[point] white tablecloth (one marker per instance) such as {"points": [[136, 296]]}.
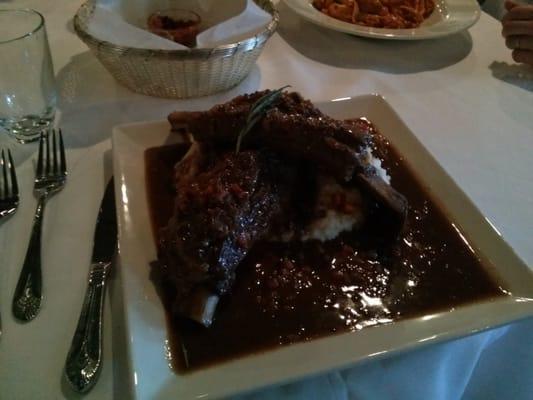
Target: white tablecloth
{"points": [[458, 95]]}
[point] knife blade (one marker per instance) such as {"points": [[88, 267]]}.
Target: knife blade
{"points": [[84, 359], [105, 234]]}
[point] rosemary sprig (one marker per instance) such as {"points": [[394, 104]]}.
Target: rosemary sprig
{"points": [[257, 111]]}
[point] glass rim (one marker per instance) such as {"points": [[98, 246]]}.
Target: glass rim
{"points": [[28, 11]]}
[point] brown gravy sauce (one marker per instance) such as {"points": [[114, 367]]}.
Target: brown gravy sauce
{"points": [[294, 292]]}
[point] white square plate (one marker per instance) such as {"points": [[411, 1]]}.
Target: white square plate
{"points": [[152, 377], [449, 17]]}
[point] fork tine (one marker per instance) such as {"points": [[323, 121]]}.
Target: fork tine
{"points": [[47, 166], [4, 173], [40, 166], [63, 159], [54, 152], [4, 191], [14, 184]]}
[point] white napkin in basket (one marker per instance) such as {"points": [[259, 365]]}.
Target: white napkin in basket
{"points": [[247, 24], [109, 24]]}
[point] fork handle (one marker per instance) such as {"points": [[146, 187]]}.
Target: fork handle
{"points": [[84, 359], [28, 294]]}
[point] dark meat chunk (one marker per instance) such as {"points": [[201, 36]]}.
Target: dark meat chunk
{"points": [[218, 216], [326, 143], [222, 122], [296, 129], [226, 117]]}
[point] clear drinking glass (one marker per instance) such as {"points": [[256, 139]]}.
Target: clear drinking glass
{"points": [[27, 85]]}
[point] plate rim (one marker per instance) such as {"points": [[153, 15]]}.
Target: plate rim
{"points": [[517, 309]]}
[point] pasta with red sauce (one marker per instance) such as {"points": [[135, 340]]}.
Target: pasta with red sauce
{"points": [[394, 14]]}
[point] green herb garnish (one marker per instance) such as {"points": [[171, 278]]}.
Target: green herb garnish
{"points": [[257, 111]]}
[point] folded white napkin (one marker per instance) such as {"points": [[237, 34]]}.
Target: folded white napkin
{"points": [[111, 22], [247, 24]]}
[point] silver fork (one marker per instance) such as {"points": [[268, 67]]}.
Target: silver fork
{"points": [[9, 190], [50, 178]]}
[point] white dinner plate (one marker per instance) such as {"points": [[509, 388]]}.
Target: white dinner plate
{"points": [[449, 16], [146, 332]]}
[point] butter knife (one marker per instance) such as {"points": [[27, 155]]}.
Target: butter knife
{"points": [[84, 359]]}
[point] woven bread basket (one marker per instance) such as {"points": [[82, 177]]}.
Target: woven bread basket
{"points": [[177, 73]]}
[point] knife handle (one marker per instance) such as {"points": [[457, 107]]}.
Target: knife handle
{"points": [[84, 359]]}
